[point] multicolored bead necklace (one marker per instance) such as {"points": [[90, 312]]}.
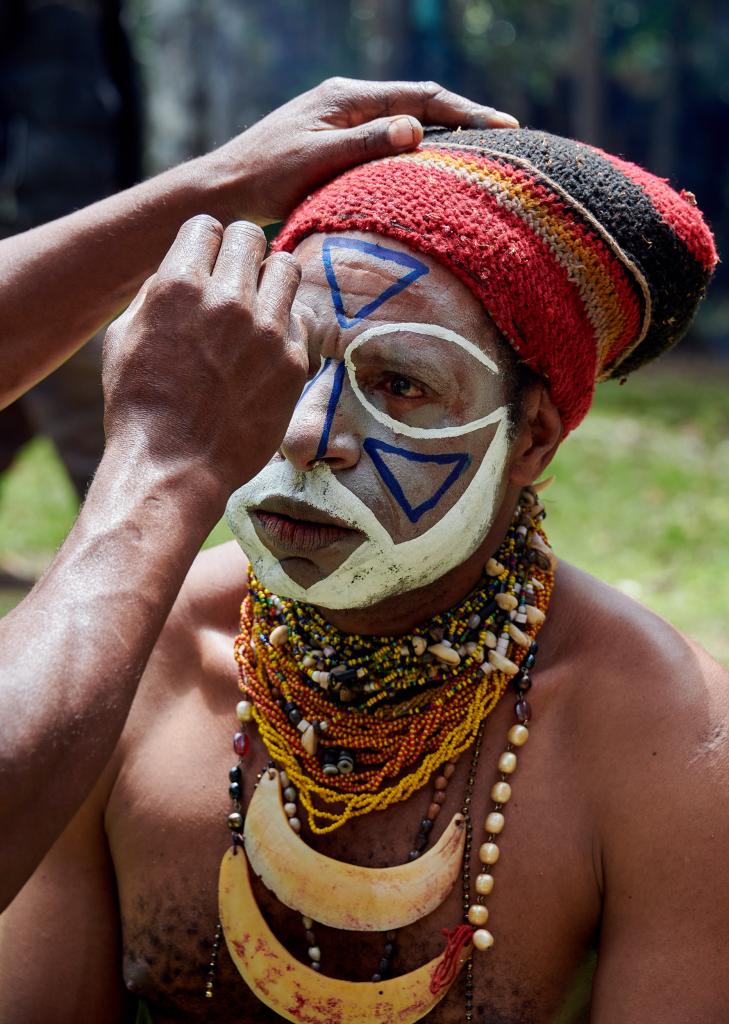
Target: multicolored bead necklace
{"points": [[401, 715], [361, 722]]}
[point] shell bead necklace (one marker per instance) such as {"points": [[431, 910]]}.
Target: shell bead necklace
{"points": [[494, 643], [349, 751]]}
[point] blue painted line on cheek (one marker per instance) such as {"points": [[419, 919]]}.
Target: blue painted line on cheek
{"points": [[374, 448], [380, 252], [336, 392]]}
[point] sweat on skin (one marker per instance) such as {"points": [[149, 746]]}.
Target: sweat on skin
{"points": [[420, 409]]}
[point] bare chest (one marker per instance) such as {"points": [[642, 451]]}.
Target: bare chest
{"points": [[167, 827]]}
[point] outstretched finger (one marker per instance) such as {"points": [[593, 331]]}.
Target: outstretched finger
{"points": [[430, 103]]}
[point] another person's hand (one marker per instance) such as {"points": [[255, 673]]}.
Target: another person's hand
{"points": [[202, 371], [270, 167]]}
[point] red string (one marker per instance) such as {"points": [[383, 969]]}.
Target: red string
{"points": [[450, 962]]}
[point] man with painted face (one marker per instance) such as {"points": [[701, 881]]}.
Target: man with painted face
{"points": [[404, 632]]}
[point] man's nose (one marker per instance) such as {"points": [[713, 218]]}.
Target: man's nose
{"points": [[318, 431]]}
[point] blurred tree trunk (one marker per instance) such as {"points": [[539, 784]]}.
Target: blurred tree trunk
{"points": [[586, 86], [665, 123], [382, 28]]}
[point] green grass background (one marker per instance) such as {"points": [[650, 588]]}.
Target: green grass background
{"points": [[640, 498]]}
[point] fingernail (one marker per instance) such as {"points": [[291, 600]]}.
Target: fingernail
{"points": [[499, 119], [401, 133]]}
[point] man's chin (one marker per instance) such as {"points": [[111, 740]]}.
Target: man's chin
{"points": [[303, 571]]}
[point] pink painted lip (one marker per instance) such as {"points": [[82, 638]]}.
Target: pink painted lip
{"points": [[298, 535]]}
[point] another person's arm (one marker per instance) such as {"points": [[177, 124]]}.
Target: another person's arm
{"points": [[61, 282], [60, 942], [201, 376]]}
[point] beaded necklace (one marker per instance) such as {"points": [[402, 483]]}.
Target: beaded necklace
{"points": [[361, 722], [489, 636]]}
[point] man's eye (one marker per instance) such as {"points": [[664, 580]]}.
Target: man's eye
{"points": [[403, 387]]}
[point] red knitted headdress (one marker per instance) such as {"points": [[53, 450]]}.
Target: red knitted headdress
{"points": [[588, 265]]}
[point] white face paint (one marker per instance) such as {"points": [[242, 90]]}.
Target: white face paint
{"points": [[430, 331], [379, 567]]}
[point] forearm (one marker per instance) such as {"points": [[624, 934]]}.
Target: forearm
{"points": [[61, 282], [72, 653]]}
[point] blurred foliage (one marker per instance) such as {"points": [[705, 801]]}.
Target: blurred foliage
{"points": [[639, 500], [648, 79]]}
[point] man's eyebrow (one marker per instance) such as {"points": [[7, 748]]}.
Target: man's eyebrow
{"points": [[406, 362]]}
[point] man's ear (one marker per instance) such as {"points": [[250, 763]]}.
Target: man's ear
{"points": [[538, 437]]}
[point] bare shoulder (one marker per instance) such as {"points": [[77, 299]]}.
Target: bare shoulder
{"points": [[194, 649], [645, 712], [634, 677], [213, 589], [647, 733]]}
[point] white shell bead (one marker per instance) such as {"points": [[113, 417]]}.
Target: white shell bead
{"points": [[488, 853], [535, 616], [295, 824], [445, 654], [518, 735], [290, 810], [507, 762], [482, 939], [502, 664], [507, 602], [491, 640], [314, 953], [419, 645], [279, 636], [501, 792], [244, 710], [518, 637], [484, 884], [494, 568], [290, 794], [494, 822], [309, 741], [477, 914]]}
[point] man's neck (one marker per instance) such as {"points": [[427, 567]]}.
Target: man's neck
{"points": [[402, 613]]}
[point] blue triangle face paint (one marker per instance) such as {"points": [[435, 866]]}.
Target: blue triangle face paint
{"points": [[375, 450], [416, 269]]}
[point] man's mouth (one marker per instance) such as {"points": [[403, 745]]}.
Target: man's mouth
{"points": [[298, 528]]}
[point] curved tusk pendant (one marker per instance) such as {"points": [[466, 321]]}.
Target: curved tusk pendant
{"points": [[321, 887], [296, 992]]}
